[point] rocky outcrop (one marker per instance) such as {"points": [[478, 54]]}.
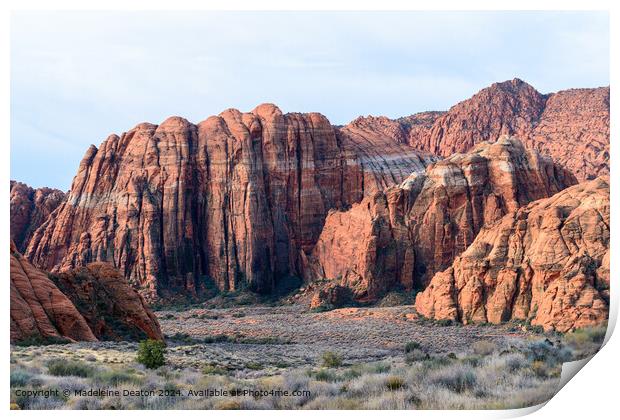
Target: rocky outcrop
{"points": [[331, 297], [29, 209], [367, 248], [401, 237], [112, 308], [571, 126], [234, 201], [39, 310], [91, 303], [547, 262]]}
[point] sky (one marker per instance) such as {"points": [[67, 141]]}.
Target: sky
{"points": [[77, 77]]}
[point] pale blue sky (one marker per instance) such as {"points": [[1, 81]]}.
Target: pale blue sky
{"points": [[78, 76]]}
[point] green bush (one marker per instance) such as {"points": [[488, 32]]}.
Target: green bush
{"points": [[151, 353], [331, 359], [411, 346], [323, 375], [61, 367]]}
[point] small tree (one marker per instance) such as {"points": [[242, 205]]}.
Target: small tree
{"points": [[151, 353]]}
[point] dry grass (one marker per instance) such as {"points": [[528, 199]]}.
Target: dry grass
{"points": [[493, 373]]}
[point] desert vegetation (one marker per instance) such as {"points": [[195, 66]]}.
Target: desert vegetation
{"points": [[517, 371]]}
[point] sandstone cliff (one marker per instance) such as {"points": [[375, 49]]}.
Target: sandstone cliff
{"points": [[235, 200], [571, 126], [29, 209], [547, 263], [402, 236], [89, 304]]}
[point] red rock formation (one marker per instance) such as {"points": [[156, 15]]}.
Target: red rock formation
{"points": [[547, 262], [112, 308], [571, 126], [406, 234], [574, 130], [235, 200], [511, 107], [91, 303], [29, 209], [367, 248], [39, 311]]}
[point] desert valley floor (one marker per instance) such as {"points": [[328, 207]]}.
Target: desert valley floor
{"points": [[386, 357]]}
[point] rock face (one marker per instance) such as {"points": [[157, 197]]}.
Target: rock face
{"points": [[29, 209], [511, 107], [84, 305], [547, 262], [234, 201], [112, 308], [39, 310], [402, 236], [571, 126]]}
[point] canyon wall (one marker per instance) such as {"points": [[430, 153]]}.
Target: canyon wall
{"points": [[233, 201], [547, 263], [403, 236]]}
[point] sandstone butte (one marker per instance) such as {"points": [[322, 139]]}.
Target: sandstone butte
{"points": [[571, 126], [547, 262], [29, 209], [100, 305], [400, 237], [237, 199]]}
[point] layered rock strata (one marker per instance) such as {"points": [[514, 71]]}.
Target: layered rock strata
{"points": [[401, 237], [547, 263], [233, 202]]}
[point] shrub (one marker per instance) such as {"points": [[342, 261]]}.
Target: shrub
{"points": [[253, 366], [539, 368], [60, 367], [380, 367], [228, 405], [323, 375], [117, 377], [20, 378], [589, 335], [212, 369], [415, 356], [483, 347], [151, 353], [331, 359], [456, 378], [394, 383], [411, 346]]}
